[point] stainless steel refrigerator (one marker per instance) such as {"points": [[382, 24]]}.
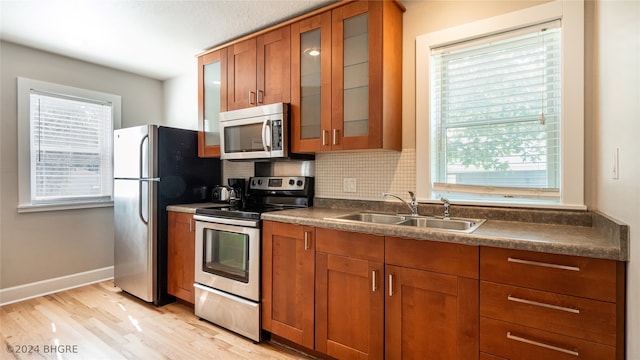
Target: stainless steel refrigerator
{"points": [[154, 166]]}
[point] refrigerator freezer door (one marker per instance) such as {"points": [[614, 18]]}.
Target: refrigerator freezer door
{"points": [[133, 157]]}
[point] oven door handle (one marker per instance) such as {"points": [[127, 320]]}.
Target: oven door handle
{"points": [[226, 221]]}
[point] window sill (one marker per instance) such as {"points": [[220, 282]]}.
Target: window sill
{"points": [[29, 208]]}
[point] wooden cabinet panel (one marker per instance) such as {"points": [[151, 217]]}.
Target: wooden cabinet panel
{"points": [[181, 256], [587, 319], [571, 275], [513, 341], [359, 245], [274, 67], [349, 307], [448, 258], [259, 70], [288, 265], [241, 72], [430, 315]]}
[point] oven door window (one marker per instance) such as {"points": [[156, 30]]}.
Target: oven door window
{"points": [[226, 254]]}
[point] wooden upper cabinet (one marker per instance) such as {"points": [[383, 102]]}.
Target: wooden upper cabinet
{"points": [[365, 81], [212, 99], [311, 83], [259, 70]]}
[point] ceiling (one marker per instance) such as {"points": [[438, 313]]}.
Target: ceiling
{"points": [[154, 38]]}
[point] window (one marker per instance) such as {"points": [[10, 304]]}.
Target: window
{"points": [[65, 146], [498, 120]]}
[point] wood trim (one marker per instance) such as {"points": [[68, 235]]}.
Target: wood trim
{"points": [[621, 281]]}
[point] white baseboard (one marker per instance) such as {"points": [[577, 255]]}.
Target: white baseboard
{"points": [[50, 286]]}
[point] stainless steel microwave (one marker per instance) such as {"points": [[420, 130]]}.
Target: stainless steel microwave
{"points": [[258, 132]]}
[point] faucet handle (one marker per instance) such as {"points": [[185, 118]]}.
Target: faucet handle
{"points": [[413, 195]]}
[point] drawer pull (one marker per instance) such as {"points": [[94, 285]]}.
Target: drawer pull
{"points": [[537, 263], [543, 345], [549, 306]]}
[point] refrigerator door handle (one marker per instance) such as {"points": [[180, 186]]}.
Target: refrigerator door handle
{"points": [[140, 204], [143, 154]]}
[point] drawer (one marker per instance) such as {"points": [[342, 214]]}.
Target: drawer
{"points": [[351, 244], [513, 341], [564, 274], [587, 319], [446, 258]]}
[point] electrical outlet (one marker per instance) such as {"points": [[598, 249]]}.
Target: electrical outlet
{"points": [[349, 185]]}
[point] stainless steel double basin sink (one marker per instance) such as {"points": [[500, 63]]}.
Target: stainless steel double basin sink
{"points": [[451, 224]]}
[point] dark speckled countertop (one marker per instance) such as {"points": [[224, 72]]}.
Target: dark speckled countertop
{"points": [[581, 233], [603, 238]]}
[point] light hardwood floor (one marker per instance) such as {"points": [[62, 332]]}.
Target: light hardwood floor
{"points": [[101, 322]]}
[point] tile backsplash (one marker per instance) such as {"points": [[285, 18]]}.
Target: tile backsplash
{"points": [[374, 171]]}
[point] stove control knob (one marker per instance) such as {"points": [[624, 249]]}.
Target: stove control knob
{"points": [[259, 181], [299, 182], [291, 182]]}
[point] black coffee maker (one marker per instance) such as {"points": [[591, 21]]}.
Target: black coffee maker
{"points": [[238, 185]]}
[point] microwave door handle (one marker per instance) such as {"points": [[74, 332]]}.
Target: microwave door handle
{"points": [[266, 138]]}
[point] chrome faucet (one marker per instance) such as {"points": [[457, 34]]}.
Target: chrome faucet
{"points": [[446, 203], [413, 205]]}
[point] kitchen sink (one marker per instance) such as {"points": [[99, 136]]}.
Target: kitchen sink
{"points": [[452, 224], [372, 218]]}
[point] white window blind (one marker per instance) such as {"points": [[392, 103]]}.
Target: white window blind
{"points": [[496, 112], [71, 147]]}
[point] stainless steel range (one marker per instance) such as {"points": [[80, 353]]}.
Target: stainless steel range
{"points": [[228, 243]]}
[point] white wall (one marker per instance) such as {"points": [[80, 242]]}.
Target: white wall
{"points": [[615, 114], [45, 245], [181, 99]]}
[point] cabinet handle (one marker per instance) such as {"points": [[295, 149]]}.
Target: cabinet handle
{"points": [[335, 136], [543, 345], [390, 284], [306, 241], [537, 263], [260, 96], [190, 227], [324, 137], [549, 306], [373, 281], [251, 97]]}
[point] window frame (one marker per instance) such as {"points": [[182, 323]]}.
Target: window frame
{"points": [[572, 128], [25, 86]]}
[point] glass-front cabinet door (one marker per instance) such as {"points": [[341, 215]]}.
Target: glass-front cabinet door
{"points": [[351, 76], [212, 99], [311, 84]]}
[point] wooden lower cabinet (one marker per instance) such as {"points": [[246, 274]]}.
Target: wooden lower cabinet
{"points": [[431, 306], [349, 294], [181, 256], [288, 265], [548, 306], [430, 315]]}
